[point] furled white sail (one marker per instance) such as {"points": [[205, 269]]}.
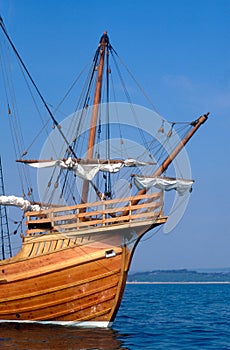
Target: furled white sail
{"points": [[88, 169], [163, 183], [19, 202]]}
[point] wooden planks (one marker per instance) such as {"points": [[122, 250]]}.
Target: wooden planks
{"points": [[74, 290], [100, 214]]}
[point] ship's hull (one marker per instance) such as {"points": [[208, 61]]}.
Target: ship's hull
{"points": [[74, 275], [75, 284], [62, 281]]}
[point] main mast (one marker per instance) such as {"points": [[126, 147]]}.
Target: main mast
{"points": [[97, 99]]}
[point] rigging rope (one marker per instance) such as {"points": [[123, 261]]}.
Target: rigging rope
{"points": [[136, 82], [14, 124], [35, 86]]}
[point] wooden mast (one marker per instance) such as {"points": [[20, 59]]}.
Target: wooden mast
{"points": [[196, 124], [97, 99]]}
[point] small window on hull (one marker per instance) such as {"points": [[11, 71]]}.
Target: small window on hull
{"points": [[110, 253]]}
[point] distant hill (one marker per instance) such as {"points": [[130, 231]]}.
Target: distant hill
{"points": [[182, 275]]}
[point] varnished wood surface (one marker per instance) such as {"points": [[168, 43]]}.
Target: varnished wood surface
{"points": [[75, 284], [99, 214], [77, 274]]}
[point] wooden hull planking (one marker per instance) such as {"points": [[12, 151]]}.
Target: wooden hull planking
{"points": [[76, 276], [70, 288]]}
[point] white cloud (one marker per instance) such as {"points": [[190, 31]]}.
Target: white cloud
{"points": [[178, 81], [201, 94]]}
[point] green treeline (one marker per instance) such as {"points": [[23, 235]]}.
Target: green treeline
{"points": [[182, 275]]}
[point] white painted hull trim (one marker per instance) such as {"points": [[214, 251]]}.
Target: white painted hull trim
{"points": [[86, 324]]}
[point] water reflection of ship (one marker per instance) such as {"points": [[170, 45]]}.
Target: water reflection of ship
{"points": [[37, 336]]}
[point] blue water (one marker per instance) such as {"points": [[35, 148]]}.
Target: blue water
{"points": [[150, 317], [175, 317]]}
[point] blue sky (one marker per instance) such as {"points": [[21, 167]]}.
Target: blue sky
{"points": [[179, 51]]}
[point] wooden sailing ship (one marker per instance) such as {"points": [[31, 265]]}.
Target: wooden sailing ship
{"points": [[73, 263]]}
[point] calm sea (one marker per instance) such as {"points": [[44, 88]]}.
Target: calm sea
{"points": [[151, 317]]}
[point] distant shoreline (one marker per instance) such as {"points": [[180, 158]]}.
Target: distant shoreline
{"points": [[182, 276], [205, 282]]}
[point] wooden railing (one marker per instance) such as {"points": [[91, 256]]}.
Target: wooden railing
{"points": [[96, 214]]}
